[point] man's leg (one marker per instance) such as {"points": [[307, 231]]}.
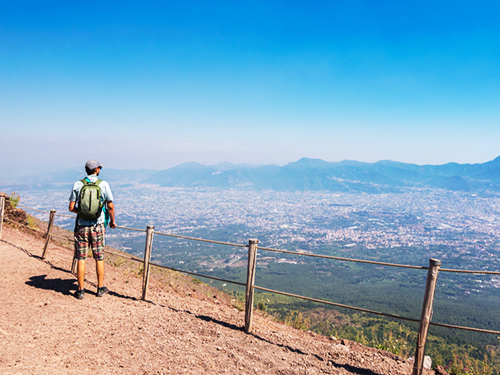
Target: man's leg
{"points": [[99, 267], [81, 273]]}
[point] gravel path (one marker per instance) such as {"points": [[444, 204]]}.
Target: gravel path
{"points": [[45, 330]]}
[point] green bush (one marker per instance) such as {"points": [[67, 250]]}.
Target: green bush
{"points": [[14, 200]]}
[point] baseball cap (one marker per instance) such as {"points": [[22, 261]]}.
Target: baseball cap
{"points": [[93, 164]]}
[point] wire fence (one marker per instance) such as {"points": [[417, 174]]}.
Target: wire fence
{"points": [[252, 247]]}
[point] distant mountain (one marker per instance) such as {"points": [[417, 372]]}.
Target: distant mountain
{"points": [[304, 174], [344, 176]]}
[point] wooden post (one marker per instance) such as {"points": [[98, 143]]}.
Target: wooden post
{"points": [[2, 211], [49, 228], [252, 260], [425, 318], [147, 258], [74, 265]]}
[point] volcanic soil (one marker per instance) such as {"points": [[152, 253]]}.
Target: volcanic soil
{"points": [[182, 327]]}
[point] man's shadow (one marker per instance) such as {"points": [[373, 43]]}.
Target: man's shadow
{"points": [[66, 287], [63, 286]]}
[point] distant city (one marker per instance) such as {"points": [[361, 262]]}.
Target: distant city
{"points": [[441, 223], [386, 211]]}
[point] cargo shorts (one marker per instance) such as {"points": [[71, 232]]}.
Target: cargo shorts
{"points": [[91, 237]]}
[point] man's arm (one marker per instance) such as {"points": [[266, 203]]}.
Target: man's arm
{"points": [[111, 211], [72, 207]]}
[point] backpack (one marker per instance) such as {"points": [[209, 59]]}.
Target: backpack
{"points": [[90, 202]]}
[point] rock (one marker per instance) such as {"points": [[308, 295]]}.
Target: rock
{"points": [[15, 214], [427, 362], [441, 371], [343, 348]]}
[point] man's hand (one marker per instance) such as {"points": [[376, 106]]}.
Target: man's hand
{"points": [[111, 211]]}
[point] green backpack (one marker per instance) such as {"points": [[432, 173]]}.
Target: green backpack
{"points": [[90, 202]]}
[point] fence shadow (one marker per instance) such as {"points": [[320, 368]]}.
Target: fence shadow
{"points": [[220, 322]]}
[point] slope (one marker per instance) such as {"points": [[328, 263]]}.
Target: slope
{"points": [[45, 330]]}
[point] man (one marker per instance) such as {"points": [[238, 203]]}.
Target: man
{"points": [[90, 233]]}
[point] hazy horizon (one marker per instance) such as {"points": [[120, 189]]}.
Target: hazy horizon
{"points": [[48, 170]]}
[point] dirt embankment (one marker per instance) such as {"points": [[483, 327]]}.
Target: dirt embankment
{"points": [[183, 328]]}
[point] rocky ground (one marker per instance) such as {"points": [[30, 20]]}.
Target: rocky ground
{"points": [[182, 328]]}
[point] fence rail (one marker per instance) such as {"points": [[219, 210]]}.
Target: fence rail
{"points": [[427, 307], [344, 259]]}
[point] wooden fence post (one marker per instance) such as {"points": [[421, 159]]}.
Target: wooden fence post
{"points": [[2, 211], [147, 258], [252, 261], [74, 265], [425, 318], [49, 228]]}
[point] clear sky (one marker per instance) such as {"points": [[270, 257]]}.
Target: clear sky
{"points": [[152, 84]]}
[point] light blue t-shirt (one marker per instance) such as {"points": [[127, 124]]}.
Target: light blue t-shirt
{"points": [[106, 196]]}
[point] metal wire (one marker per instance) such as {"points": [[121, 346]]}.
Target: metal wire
{"points": [[200, 239]]}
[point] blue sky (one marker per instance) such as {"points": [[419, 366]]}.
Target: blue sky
{"points": [[154, 84]]}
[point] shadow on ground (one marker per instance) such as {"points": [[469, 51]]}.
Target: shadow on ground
{"points": [[66, 287], [63, 286]]}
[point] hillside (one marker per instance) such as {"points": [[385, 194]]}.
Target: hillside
{"points": [[184, 327], [305, 174], [345, 176]]}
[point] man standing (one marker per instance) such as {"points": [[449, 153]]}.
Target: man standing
{"points": [[90, 228]]}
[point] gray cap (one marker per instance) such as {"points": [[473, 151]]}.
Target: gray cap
{"points": [[93, 164]]}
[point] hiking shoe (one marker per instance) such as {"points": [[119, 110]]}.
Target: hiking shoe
{"points": [[79, 294], [102, 291]]}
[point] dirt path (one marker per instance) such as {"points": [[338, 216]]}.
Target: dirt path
{"points": [[45, 330]]}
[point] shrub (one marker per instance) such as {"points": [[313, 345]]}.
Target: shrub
{"points": [[14, 200]]}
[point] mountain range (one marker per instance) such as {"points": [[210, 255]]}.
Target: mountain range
{"points": [[304, 174], [344, 176]]}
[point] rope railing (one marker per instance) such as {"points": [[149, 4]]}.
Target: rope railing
{"points": [[134, 229], [197, 274], [126, 256], [63, 215], [336, 304], [375, 312], [63, 238], [465, 328], [433, 269], [23, 225], [200, 239], [470, 271], [343, 259], [31, 208]]}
